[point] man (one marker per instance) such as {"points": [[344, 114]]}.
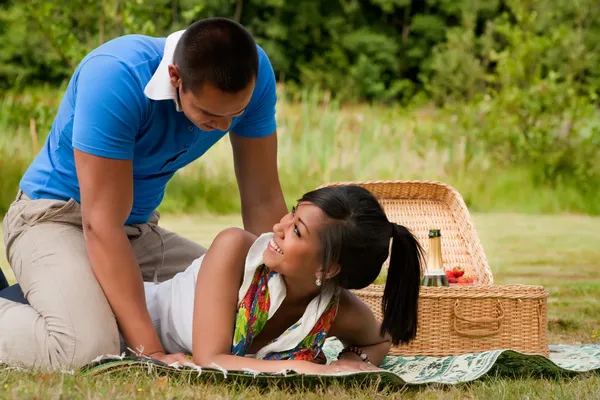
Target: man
{"points": [[82, 234]]}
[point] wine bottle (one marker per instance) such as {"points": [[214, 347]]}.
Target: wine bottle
{"points": [[434, 273]]}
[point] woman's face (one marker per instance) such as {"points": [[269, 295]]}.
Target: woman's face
{"points": [[295, 249]]}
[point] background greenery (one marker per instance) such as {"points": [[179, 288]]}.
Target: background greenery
{"points": [[496, 97], [499, 98]]}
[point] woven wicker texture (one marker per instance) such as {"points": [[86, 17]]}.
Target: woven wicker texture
{"points": [[467, 319], [425, 205], [462, 318]]}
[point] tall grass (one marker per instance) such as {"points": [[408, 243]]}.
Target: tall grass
{"points": [[322, 141], [17, 146]]}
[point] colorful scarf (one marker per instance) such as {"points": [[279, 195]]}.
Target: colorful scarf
{"points": [[253, 313]]}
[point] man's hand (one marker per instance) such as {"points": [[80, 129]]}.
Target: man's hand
{"points": [[170, 358], [255, 162]]}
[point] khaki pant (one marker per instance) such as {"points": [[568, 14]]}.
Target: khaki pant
{"points": [[69, 321]]}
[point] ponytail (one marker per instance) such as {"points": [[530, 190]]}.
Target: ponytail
{"points": [[401, 293]]}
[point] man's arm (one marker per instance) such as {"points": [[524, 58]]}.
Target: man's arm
{"points": [[254, 142], [110, 108], [255, 161], [106, 199]]}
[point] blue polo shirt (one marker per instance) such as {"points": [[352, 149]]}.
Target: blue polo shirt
{"points": [[105, 112]]}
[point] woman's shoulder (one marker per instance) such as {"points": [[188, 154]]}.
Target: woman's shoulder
{"points": [[349, 305], [237, 242], [235, 235], [352, 314]]}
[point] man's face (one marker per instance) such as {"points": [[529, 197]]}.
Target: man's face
{"points": [[210, 108]]}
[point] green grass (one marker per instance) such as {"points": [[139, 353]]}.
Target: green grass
{"points": [[560, 252], [18, 385]]}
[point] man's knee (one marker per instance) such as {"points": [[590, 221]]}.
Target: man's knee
{"points": [[54, 343], [92, 343], [70, 347]]}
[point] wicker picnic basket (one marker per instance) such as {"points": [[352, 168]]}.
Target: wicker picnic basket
{"points": [[461, 318]]}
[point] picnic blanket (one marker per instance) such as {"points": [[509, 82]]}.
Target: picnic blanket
{"points": [[397, 371]]}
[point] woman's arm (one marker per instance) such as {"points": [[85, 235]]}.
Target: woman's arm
{"points": [[355, 325], [215, 308]]}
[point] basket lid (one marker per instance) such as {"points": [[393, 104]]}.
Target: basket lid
{"points": [[424, 205]]}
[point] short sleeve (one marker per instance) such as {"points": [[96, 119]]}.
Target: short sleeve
{"points": [[259, 118], [108, 109]]}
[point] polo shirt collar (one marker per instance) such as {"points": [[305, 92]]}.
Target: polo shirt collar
{"points": [[159, 87]]}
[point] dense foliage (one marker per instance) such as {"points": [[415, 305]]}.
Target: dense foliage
{"points": [[365, 49], [514, 84]]}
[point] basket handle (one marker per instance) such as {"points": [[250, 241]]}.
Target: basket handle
{"points": [[478, 332]]}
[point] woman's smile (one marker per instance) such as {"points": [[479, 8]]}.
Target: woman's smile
{"points": [[274, 247], [293, 250]]}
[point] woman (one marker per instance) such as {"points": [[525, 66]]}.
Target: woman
{"points": [[268, 303]]}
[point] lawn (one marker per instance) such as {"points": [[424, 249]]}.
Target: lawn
{"points": [[559, 252]]}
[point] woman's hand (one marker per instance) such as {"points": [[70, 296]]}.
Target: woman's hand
{"points": [[335, 367], [352, 365]]}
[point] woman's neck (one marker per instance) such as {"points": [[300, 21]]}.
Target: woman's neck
{"points": [[299, 293]]}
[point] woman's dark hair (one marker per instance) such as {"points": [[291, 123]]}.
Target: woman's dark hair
{"points": [[357, 237], [219, 51]]}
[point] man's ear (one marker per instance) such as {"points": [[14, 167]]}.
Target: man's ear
{"points": [[174, 76]]}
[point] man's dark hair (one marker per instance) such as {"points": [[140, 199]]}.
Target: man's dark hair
{"points": [[219, 51]]}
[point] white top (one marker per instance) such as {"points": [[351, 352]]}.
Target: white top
{"points": [[171, 304]]}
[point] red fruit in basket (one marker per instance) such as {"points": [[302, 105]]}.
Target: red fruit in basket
{"points": [[462, 279], [458, 272], [449, 274], [470, 279], [452, 279]]}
